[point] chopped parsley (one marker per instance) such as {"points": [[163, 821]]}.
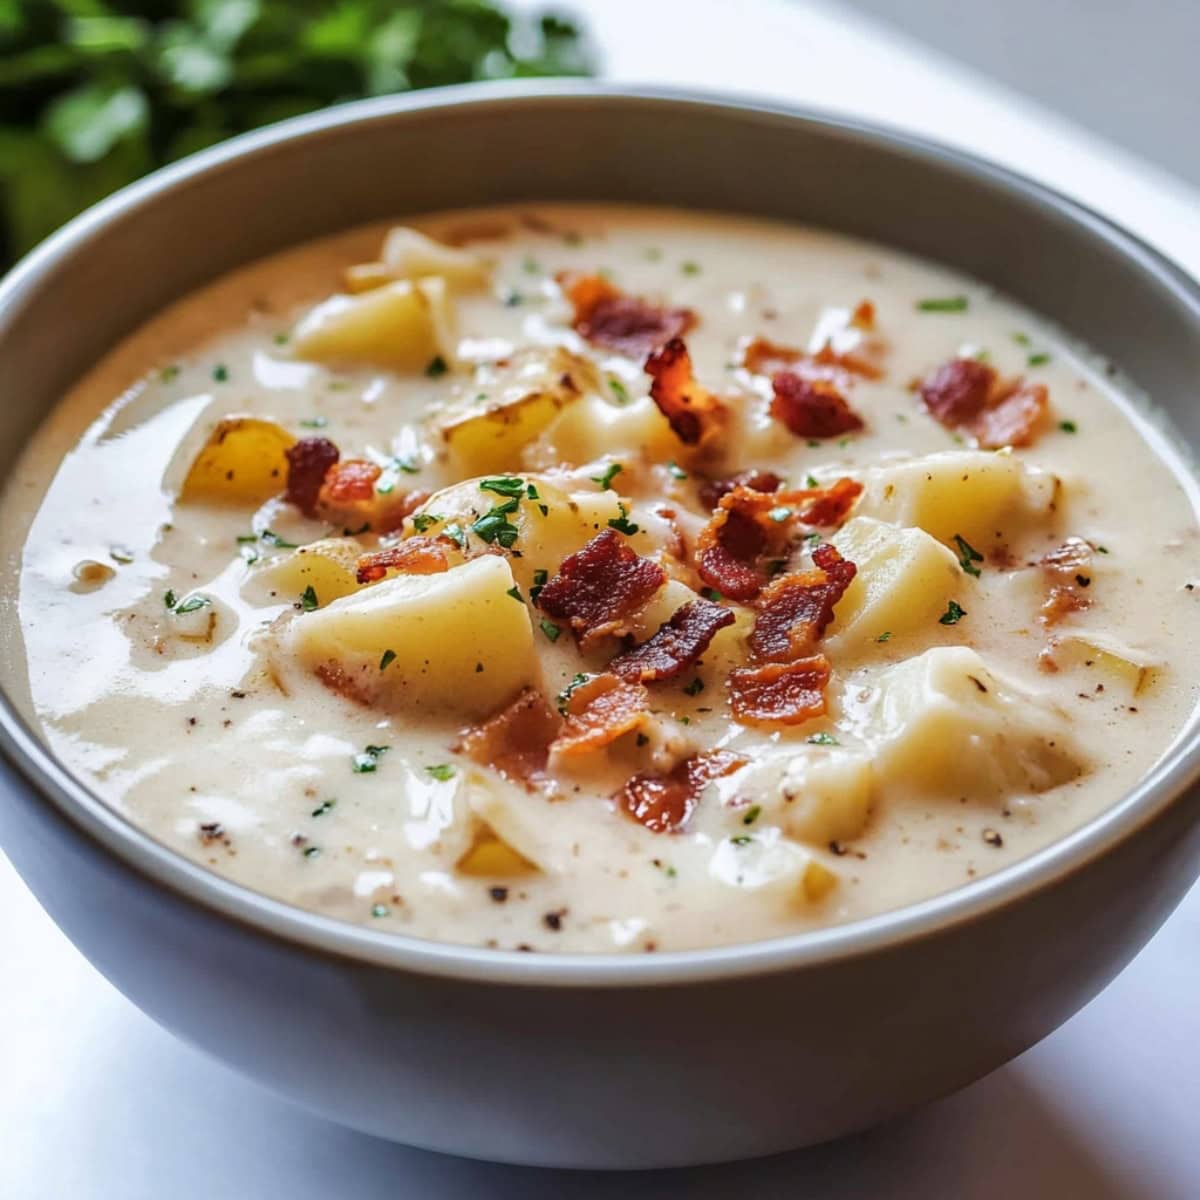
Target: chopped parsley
{"points": [[496, 527], [780, 514], [314, 423], [532, 492], [811, 481], [380, 910], [441, 772], [968, 556], [220, 373], [652, 254], [623, 524], [282, 339], [611, 472], [168, 373], [752, 814], [120, 554], [823, 739], [953, 614], [690, 267], [308, 599], [943, 304], [676, 471], [1022, 339], [511, 298], [324, 807], [550, 629], [1068, 426], [422, 521], [540, 579], [386, 660], [695, 687], [713, 595], [311, 851], [436, 367], [515, 593], [619, 390], [530, 266], [567, 692], [456, 534], [742, 839], [885, 636], [503, 485], [366, 762], [1037, 360], [270, 538], [182, 607]]}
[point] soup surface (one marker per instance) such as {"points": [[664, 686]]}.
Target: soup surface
{"points": [[601, 579]]}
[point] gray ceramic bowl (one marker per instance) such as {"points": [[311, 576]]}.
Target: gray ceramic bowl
{"points": [[568, 1060]]}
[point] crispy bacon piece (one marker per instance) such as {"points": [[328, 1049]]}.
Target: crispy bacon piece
{"points": [[336, 679], [599, 712], [958, 391], [711, 490], [964, 394], [811, 408], [1015, 420], [348, 497], [676, 645], [1066, 570], [350, 481], [516, 741], [863, 316], [749, 526], [764, 357], [308, 462], [693, 412], [413, 556], [628, 325], [600, 587], [794, 610], [780, 693], [664, 803]]}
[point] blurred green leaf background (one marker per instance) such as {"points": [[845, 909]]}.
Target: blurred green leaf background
{"points": [[94, 94]]}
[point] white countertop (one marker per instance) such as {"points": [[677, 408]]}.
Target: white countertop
{"points": [[97, 1103]]}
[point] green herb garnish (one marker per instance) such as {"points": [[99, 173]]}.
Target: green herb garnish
{"points": [[676, 471], [308, 599], [742, 839], [752, 814], [1037, 360], [503, 485], [220, 373], [619, 390], [515, 593], [886, 636], [324, 807], [273, 539], [550, 629], [968, 556], [695, 687], [455, 532], [943, 304], [441, 772], [611, 472], [436, 367], [1068, 426], [623, 524], [495, 527], [315, 423], [366, 762], [690, 267], [388, 657], [953, 614], [120, 554], [823, 739], [380, 910], [422, 521], [540, 578], [191, 604], [713, 595], [567, 692]]}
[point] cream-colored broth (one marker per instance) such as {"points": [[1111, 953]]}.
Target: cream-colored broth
{"points": [[178, 734]]}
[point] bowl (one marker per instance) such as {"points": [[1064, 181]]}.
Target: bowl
{"points": [[570, 1060]]}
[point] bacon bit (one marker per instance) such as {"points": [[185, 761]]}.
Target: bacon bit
{"points": [[628, 325], [795, 609], [1015, 420], [677, 644], [599, 712], [516, 741], [413, 556], [811, 408], [958, 391], [863, 316], [695, 415], [780, 693], [742, 532], [348, 497], [963, 394], [664, 803], [350, 481], [764, 357], [711, 490], [600, 587], [308, 462], [1064, 569]]}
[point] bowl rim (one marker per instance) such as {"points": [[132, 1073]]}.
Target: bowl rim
{"points": [[28, 758]]}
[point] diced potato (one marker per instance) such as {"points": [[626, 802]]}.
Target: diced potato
{"points": [[826, 793], [402, 325], [594, 428], [409, 254], [328, 566], [462, 644], [243, 462], [521, 399], [517, 820], [903, 582], [944, 724], [769, 863], [976, 494], [491, 857], [1118, 663]]}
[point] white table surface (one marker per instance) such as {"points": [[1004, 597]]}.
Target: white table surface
{"points": [[97, 1103]]}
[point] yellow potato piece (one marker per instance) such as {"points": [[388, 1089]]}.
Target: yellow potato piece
{"points": [[594, 428], [243, 462], [519, 401], [410, 254], [460, 642], [903, 583], [328, 566], [772, 865], [1119, 663], [490, 856], [403, 326], [826, 793]]}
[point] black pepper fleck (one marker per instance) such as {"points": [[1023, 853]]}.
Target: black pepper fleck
{"points": [[499, 894], [992, 838]]}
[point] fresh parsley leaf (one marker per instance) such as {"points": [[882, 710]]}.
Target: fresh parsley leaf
{"points": [[322, 808], [368, 761], [273, 539], [388, 657], [436, 367], [422, 521], [713, 595], [752, 814], [611, 472], [503, 485], [943, 304], [968, 556], [885, 636], [495, 527], [550, 629], [515, 593], [191, 604], [314, 423], [690, 267], [742, 839], [1022, 339], [695, 687], [441, 772], [567, 692], [1068, 426], [308, 599], [619, 390], [823, 739], [676, 471], [221, 373], [623, 524], [540, 578], [953, 614], [1037, 360]]}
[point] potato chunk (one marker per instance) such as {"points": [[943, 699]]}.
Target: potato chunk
{"points": [[943, 723], [520, 400], [768, 863], [403, 326], [243, 462], [409, 254], [903, 582], [1133, 669], [460, 642], [973, 493], [826, 793], [594, 428], [328, 566]]}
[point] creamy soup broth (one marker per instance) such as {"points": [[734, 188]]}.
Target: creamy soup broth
{"points": [[1005, 663]]}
